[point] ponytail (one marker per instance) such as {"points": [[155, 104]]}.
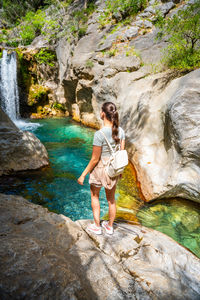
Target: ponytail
{"points": [[112, 115]]}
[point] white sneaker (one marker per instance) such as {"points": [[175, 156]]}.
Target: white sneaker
{"points": [[94, 228], [108, 228]]}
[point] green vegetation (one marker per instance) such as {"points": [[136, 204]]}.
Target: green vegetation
{"points": [[14, 10], [29, 21], [59, 106], [132, 52], [37, 93], [118, 10], [31, 26], [89, 64], [25, 76], [46, 56], [183, 29]]}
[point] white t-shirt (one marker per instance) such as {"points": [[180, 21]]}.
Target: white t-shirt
{"points": [[99, 139]]}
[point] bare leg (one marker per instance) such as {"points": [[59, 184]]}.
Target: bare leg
{"points": [[95, 203], [110, 195]]}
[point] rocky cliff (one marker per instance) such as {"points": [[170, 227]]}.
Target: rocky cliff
{"points": [[158, 107], [47, 256], [20, 150]]}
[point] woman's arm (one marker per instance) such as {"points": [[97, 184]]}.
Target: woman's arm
{"points": [[122, 144], [96, 153]]}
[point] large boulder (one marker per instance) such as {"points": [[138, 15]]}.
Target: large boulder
{"points": [[47, 256], [20, 150], [162, 125]]}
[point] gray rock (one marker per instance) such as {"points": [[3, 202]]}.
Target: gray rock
{"points": [[148, 47], [152, 256], [20, 150], [167, 106], [139, 23], [124, 63], [86, 48], [63, 52], [147, 24], [107, 44], [150, 9], [131, 32], [145, 14], [165, 8], [47, 256]]}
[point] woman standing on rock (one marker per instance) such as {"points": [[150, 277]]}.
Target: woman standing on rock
{"points": [[98, 177]]}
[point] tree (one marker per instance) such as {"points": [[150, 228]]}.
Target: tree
{"points": [[183, 31], [13, 10]]}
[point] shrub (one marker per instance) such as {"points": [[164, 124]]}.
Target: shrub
{"points": [[119, 10], [89, 64], [59, 106], [31, 26], [183, 31], [14, 10], [46, 56], [37, 93]]}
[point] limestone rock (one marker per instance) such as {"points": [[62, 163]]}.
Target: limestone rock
{"points": [[20, 150], [47, 256], [107, 44], [131, 32], [149, 47], [123, 63], [165, 8], [44, 255], [147, 24], [159, 264], [166, 156]]}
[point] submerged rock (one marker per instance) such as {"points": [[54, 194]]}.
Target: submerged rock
{"points": [[20, 150], [45, 255]]}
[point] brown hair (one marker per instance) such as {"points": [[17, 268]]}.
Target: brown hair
{"points": [[110, 110]]}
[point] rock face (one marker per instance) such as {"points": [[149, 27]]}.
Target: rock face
{"points": [[20, 150], [47, 256], [158, 111]]}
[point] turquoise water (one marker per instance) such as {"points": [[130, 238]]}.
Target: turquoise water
{"points": [[69, 147]]}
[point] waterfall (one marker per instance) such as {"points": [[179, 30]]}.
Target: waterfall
{"points": [[8, 85], [9, 95]]}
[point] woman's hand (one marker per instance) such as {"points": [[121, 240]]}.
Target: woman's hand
{"points": [[81, 179]]}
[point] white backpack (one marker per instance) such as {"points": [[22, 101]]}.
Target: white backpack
{"points": [[118, 160]]}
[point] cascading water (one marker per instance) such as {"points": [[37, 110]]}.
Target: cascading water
{"points": [[9, 95], [9, 86]]}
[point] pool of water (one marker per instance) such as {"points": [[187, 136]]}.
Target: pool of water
{"points": [[69, 146]]}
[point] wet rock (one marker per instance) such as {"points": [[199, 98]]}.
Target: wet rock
{"points": [[20, 150]]}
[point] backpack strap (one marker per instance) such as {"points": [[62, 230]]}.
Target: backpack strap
{"points": [[112, 151]]}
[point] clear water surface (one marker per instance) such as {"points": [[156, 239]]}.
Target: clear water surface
{"points": [[69, 146]]}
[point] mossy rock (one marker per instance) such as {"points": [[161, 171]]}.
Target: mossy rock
{"points": [[37, 94]]}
